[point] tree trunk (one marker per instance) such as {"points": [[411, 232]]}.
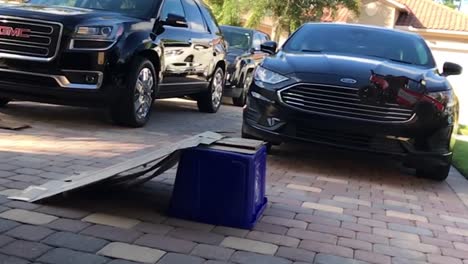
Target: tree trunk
{"points": [[276, 31]]}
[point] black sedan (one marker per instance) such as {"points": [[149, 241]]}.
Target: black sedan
{"points": [[243, 54], [360, 88]]}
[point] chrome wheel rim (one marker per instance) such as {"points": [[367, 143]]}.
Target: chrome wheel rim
{"points": [[217, 90], [143, 93]]}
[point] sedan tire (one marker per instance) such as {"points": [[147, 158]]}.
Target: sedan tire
{"points": [[210, 101]]}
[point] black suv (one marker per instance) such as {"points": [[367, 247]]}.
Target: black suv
{"points": [[120, 54], [242, 56]]}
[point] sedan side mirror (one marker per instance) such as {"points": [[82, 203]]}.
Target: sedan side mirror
{"points": [[269, 47], [452, 69], [174, 20]]}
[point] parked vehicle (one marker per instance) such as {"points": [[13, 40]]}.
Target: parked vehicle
{"points": [[242, 56], [360, 88], [121, 54]]}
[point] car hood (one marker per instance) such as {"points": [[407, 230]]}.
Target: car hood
{"points": [[347, 70], [65, 15], [233, 53]]}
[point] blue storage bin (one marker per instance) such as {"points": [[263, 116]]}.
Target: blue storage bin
{"points": [[220, 187]]}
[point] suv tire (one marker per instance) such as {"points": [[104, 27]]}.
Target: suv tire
{"points": [[4, 101], [133, 107], [240, 101], [436, 173], [210, 101]]}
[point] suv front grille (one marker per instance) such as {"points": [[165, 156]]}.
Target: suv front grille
{"points": [[29, 39], [342, 102]]}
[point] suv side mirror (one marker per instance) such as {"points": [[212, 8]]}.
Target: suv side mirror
{"points": [[269, 47], [452, 69], [174, 20]]}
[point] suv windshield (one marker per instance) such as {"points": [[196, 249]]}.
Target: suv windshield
{"points": [[237, 38], [361, 41], [134, 8]]}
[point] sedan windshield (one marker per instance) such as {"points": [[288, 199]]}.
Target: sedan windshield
{"points": [[237, 38], [361, 41], [134, 8]]}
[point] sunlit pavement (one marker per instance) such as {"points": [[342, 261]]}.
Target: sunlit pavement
{"points": [[325, 206]]}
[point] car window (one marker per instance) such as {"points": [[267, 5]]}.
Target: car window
{"points": [[256, 42], [172, 7], [371, 42], [194, 16], [210, 20]]}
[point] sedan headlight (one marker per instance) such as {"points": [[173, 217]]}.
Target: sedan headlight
{"points": [[263, 75], [95, 37]]}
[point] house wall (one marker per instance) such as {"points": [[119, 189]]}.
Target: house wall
{"points": [[374, 12]]}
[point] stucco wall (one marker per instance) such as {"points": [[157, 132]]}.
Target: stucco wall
{"points": [[376, 13]]}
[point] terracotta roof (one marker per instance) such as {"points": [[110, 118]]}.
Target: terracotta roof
{"points": [[427, 14]]}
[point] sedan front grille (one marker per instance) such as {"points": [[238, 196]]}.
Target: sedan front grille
{"points": [[340, 101], [29, 39]]}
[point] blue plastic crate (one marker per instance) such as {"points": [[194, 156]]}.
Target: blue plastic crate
{"points": [[220, 187]]}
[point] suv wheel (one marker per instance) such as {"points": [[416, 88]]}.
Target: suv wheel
{"points": [[134, 107], [210, 101], [4, 101], [240, 101], [436, 173]]}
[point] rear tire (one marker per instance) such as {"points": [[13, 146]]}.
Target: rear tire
{"points": [[4, 101], [436, 173], [240, 101], [210, 101], [133, 107]]}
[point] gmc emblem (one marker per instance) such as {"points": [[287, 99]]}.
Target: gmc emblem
{"points": [[14, 32]]}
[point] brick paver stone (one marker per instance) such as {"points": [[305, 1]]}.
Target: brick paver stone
{"points": [[323, 207], [196, 236], [457, 231], [274, 239], [5, 240], [131, 252], [62, 256], [296, 254], [330, 259], [166, 243], [4, 259], [212, 252], [250, 258], [413, 245], [156, 229], [29, 232], [454, 219], [413, 217], [60, 211], [175, 258], [304, 188], [70, 225], [326, 248], [111, 220], [112, 233], [438, 259], [395, 234], [372, 257], [75, 242], [25, 249], [284, 222], [28, 217], [399, 252], [6, 225], [249, 245]]}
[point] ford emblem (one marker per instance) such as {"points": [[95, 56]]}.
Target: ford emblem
{"points": [[348, 80]]}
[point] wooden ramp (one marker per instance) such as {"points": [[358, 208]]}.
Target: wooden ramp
{"points": [[136, 170]]}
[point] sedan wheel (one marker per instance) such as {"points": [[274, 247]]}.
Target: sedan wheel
{"points": [[210, 101]]}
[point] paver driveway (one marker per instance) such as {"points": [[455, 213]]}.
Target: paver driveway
{"points": [[325, 206]]}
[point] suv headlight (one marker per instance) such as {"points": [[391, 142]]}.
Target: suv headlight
{"points": [[95, 37], [263, 75]]}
